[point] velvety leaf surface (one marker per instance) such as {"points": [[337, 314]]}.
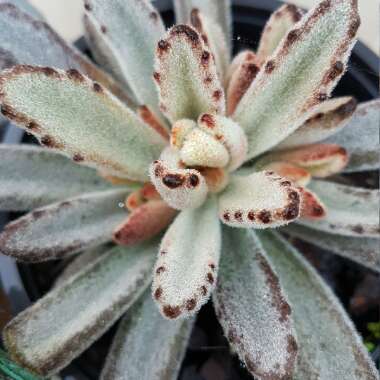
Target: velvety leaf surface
{"points": [[361, 138], [27, 40], [26, 7], [146, 346], [32, 177], [260, 200], [294, 173], [81, 261], [252, 308], [64, 228], [329, 118], [188, 260], [278, 25], [217, 10], [302, 73], [363, 251], [80, 118], [186, 76], [329, 347], [61, 325], [351, 211], [131, 31]]}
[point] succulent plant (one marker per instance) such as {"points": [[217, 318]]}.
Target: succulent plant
{"points": [[179, 152]]}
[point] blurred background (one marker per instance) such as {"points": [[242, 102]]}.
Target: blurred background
{"points": [[66, 17]]}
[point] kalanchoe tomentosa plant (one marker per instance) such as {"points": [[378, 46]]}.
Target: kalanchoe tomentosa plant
{"points": [[219, 151]]}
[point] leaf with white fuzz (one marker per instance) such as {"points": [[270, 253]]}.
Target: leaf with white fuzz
{"points": [[186, 76], [147, 346], [213, 37], [292, 172], [279, 24], [320, 160], [32, 177], [351, 211], [335, 351], [241, 78], [201, 149], [25, 6], [329, 118], [180, 188], [361, 138], [80, 261], [230, 134], [260, 200], [188, 260], [62, 229], [312, 207], [144, 223], [252, 308], [238, 59], [60, 326], [179, 132], [363, 251], [302, 73], [218, 11], [72, 114], [26, 40], [133, 46]]}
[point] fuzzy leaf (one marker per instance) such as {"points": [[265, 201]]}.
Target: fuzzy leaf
{"points": [[351, 211], [329, 118], [144, 223], [214, 38], [25, 6], [65, 228], [133, 47], [186, 76], [311, 206], [329, 346], [260, 200], [26, 40], [292, 172], [81, 261], [32, 177], [146, 346], [218, 11], [50, 334], [363, 251], [279, 24], [302, 73], [188, 261], [361, 138], [180, 188], [252, 308], [80, 118]]}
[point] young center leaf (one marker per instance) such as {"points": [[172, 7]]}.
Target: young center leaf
{"points": [[253, 309], [188, 260], [328, 345], [68, 112], [301, 73], [60, 326]]}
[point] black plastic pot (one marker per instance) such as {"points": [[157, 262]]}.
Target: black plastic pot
{"points": [[25, 284]]}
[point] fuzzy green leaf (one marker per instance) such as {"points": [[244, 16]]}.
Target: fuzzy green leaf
{"points": [[278, 25], [186, 76], [329, 347], [252, 308], [26, 40], [147, 346], [188, 261], [80, 118], [329, 118], [361, 138], [302, 72], [219, 11], [260, 200], [32, 177], [50, 334], [65, 228], [130, 31], [351, 211], [363, 251]]}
